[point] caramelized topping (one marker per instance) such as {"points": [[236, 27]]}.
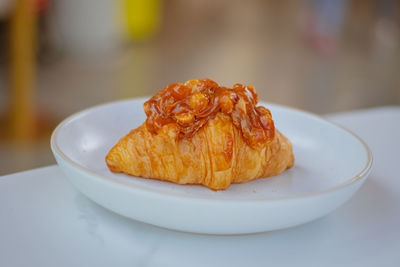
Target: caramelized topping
{"points": [[191, 105]]}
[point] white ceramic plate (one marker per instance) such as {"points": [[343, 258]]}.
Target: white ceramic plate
{"points": [[331, 163]]}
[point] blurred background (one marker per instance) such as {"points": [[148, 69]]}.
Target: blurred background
{"points": [[60, 56]]}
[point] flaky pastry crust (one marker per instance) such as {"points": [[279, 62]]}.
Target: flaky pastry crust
{"points": [[216, 156]]}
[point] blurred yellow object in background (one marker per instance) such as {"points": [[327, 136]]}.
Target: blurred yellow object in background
{"points": [[23, 70], [142, 18]]}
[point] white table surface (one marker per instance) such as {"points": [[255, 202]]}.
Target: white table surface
{"points": [[44, 221]]}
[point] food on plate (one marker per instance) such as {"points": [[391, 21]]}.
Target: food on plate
{"points": [[202, 133]]}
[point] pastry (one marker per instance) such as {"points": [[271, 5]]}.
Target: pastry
{"points": [[202, 133]]}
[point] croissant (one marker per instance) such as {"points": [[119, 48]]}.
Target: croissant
{"points": [[200, 133]]}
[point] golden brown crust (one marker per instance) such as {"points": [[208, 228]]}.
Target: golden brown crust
{"points": [[216, 156]]}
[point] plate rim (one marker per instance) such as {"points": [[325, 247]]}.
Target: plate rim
{"points": [[58, 151]]}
